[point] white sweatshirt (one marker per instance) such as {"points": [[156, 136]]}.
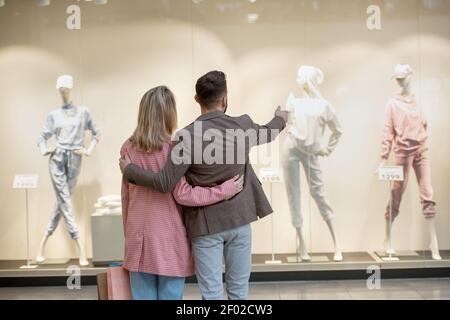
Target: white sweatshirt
{"points": [[309, 118]]}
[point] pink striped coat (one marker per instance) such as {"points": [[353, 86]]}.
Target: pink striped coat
{"points": [[155, 236]]}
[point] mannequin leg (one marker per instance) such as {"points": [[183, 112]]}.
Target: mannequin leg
{"points": [[337, 248], [302, 250], [73, 171], [434, 246], [291, 167], [81, 253], [393, 208], [316, 187], [40, 256], [423, 175]]}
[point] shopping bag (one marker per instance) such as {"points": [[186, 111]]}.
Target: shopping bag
{"points": [[119, 287], [102, 286]]}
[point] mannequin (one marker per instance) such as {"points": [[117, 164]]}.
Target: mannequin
{"points": [[68, 124], [309, 117], [406, 131]]}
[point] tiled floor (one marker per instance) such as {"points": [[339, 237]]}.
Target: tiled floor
{"points": [[354, 289]]}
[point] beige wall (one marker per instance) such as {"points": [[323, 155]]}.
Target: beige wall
{"points": [[126, 47]]}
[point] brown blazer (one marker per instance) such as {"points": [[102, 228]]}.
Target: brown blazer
{"points": [[243, 208]]}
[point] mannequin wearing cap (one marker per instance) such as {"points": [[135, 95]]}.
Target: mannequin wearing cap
{"points": [[309, 117], [68, 124], [405, 132]]}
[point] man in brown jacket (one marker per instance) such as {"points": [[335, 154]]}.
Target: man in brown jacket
{"points": [[213, 149]]}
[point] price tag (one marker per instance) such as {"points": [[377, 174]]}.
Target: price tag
{"points": [[270, 175], [25, 181], [391, 173]]}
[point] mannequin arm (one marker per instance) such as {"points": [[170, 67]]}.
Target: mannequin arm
{"points": [[336, 133], [47, 133], [95, 131], [43, 147], [91, 147], [388, 136]]}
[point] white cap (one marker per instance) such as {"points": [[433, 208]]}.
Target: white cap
{"points": [[401, 71], [309, 73], [64, 81]]}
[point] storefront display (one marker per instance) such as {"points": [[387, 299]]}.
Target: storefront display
{"points": [[329, 63]]}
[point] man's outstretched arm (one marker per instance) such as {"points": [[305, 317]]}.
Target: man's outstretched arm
{"points": [[268, 132]]}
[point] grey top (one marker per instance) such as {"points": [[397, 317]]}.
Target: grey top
{"points": [[68, 124]]}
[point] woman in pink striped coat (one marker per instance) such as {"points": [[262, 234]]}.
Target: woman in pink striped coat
{"points": [[157, 250]]}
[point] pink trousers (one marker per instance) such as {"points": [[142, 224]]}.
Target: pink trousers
{"points": [[421, 165]]}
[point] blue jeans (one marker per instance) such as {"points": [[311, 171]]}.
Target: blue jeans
{"points": [[146, 286], [235, 245]]}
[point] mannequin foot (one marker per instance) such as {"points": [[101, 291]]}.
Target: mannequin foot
{"points": [[391, 251], [435, 253], [82, 257], [338, 256], [83, 262], [306, 258], [388, 249], [436, 256], [40, 259]]}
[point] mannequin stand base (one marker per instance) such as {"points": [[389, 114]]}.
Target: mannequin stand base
{"points": [[53, 261], [296, 259], [402, 253], [29, 266], [390, 258], [273, 262]]}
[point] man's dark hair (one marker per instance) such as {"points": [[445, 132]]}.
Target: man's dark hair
{"points": [[211, 87]]}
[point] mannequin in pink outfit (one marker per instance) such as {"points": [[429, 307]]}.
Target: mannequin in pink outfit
{"points": [[408, 136]]}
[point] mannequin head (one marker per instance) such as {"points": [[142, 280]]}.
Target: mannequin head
{"points": [[403, 75], [64, 84], [309, 78], [404, 82], [211, 92], [65, 94]]}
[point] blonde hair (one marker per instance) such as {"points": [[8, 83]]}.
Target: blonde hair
{"points": [[157, 120]]}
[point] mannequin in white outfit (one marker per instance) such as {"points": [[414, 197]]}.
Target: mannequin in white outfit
{"points": [[309, 116], [68, 125]]}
